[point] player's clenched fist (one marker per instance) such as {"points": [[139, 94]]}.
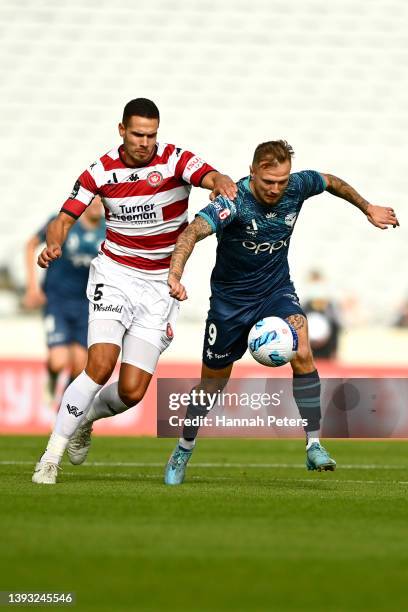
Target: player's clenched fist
{"points": [[177, 290], [50, 253]]}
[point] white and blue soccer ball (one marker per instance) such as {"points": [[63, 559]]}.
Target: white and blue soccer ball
{"points": [[273, 342]]}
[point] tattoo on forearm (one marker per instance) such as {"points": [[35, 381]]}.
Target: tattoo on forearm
{"points": [[196, 231], [340, 188], [297, 321]]}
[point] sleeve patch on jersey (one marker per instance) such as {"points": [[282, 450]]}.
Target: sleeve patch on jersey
{"points": [[194, 164], [75, 190], [224, 211], [223, 214]]}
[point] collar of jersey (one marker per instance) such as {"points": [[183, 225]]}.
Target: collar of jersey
{"points": [[246, 184], [246, 181]]}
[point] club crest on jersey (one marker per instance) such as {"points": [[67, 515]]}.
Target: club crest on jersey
{"points": [[154, 178], [169, 331], [224, 214], [290, 219]]}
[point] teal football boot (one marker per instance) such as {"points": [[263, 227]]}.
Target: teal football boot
{"points": [[317, 458], [176, 466]]}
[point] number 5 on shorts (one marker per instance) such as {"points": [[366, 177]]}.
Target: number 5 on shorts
{"points": [[98, 292], [212, 334]]}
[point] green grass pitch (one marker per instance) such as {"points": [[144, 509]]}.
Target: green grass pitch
{"points": [[250, 529]]}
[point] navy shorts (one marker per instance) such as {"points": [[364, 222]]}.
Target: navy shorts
{"points": [[228, 324], [66, 321]]}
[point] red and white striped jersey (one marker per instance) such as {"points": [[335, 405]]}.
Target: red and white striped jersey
{"points": [[145, 207]]}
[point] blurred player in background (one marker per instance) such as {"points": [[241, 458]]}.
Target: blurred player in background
{"points": [[62, 293], [145, 188], [251, 281]]}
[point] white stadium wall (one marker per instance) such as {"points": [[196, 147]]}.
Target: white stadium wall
{"points": [[330, 77]]}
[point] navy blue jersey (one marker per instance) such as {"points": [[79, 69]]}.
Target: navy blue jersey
{"points": [[67, 277], [253, 238]]}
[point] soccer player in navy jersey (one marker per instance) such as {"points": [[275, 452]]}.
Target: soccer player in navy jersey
{"points": [[251, 280], [62, 293]]}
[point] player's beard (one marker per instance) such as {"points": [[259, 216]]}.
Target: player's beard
{"points": [[141, 156]]}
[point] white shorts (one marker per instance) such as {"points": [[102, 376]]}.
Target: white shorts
{"points": [[144, 307]]}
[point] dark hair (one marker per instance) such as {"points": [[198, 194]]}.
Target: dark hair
{"points": [[272, 153], [142, 107]]}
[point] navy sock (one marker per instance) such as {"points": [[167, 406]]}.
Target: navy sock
{"points": [[306, 391], [194, 413]]}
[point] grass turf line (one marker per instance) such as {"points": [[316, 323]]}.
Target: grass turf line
{"points": [[231, 538]]}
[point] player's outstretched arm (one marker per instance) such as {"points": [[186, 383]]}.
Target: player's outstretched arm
{"points": [[196, 231], [34, 295], [219, 184], [380, 216], [57, 232]]}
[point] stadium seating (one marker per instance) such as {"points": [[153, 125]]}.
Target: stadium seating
{"points": [[329, 77]]}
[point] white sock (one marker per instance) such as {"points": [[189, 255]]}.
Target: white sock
{"points": [[106, 403], [311, 438], [187, 444], [74, 404]]}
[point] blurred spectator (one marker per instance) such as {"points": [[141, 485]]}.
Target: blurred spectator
{"points": [[402, 316], [322, 315]]}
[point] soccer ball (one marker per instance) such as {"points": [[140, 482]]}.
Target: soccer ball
{"points": [[272, 342]]}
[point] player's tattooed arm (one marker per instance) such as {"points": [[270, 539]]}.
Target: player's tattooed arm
{"points": [[337, 187], [380, 216], [297, 321], [196, 231]]}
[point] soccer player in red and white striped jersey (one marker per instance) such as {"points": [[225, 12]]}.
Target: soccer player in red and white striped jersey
{"points": [[144, 186], [146, 206]]}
